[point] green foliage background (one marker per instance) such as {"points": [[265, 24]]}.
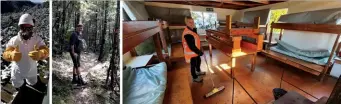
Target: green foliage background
{"points": [[274, 16]]}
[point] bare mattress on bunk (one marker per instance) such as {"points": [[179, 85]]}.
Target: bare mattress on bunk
{"points": [[145, 85], [319, 57]]}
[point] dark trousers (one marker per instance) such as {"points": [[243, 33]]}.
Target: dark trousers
{"points": [[195, 66], [76, 59]]}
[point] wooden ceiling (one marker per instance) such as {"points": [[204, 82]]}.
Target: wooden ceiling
{"points": [[226, 4]]}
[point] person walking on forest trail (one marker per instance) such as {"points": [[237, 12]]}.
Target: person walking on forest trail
{"points": [[24, 50], [75, 50]]}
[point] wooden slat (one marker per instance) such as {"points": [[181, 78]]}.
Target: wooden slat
{"points": [[222, 46], [244, 31], [260, 1], [131, 42], [325, 28], [306, 66], [221, 35], [241, 24], [6, 97], [134, 26], [135, 32], [226, 4]]}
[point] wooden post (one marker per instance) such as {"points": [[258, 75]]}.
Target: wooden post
{"points": [[162, 37], [253, 63], [325, 70], [280, 34], [266, 31], [210, 49], [158, 48], [133, 52], [256, 22], [338, 48], [270, 38], [228, 25], [260, 40], [236, 43]]}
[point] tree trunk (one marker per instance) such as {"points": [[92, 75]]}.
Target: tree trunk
{"points": [[96, 28], [61, 40], [101, 54]]}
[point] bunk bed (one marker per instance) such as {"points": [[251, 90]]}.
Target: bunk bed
{"points": [[144, 83], [290, 55], [230, 42]]}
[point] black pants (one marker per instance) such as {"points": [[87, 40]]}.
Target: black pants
{"points": [[76, 59], [195, 66]]}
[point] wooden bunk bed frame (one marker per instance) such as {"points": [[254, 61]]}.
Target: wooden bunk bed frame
{"points": [[136, 32], [318, 70], [229, 41]]}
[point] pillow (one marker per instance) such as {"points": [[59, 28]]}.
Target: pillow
{"points": [[306, 53]]}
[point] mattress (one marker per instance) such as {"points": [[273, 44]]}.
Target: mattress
{"points": [[316, 60], [145, 85]]}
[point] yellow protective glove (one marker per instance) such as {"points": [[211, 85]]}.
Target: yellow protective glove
{"points": [[39, 54], [12, 54]]}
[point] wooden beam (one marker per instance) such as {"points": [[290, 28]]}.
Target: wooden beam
{"points": [[260, 1], [325, 28], [237, 3], [212, 4]]}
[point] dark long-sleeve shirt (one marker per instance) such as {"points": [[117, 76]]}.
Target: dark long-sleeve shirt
{"points": [[191, 42]]}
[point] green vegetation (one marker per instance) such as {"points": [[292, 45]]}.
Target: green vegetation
{"points": [[274, 16]]}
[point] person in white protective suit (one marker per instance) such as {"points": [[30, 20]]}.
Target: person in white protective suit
{"points": [[24, 50]]}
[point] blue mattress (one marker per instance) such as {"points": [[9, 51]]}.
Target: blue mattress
{"points": [[145, 85], [316, 60]]}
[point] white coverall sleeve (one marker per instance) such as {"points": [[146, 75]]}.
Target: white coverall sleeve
{"points": [[40, 41]]}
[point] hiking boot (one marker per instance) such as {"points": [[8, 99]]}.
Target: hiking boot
{"points": [[81, 81], [198, 79], [200, 73], [74, 79]]}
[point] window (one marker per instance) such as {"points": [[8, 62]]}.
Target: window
{"points": [[205, 20], [274, 16]]}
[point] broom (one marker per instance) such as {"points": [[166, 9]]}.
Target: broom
{"points": [[215, 90]]}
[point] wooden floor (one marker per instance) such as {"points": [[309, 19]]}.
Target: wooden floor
{"points": [[258, 83]]}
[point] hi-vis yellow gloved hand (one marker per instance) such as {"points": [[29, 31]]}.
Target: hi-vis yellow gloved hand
{"points": [[12, 54], [39, 53]]}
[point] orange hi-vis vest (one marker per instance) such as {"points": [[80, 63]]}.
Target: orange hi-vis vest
{"points": [[188, 53]]}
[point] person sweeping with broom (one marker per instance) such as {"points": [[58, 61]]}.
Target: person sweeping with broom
{"points": [[192, 52]]}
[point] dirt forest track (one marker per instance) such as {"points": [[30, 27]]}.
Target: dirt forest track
{"points": [[93, 72]]}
